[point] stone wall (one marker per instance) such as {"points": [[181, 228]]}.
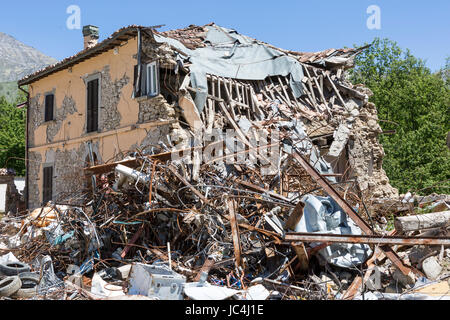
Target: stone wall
{"points": [[110, 97], [155, 109], [34, 168], [68, 170], [68, 174], [110, 92], [68, 107], [366, 155]]}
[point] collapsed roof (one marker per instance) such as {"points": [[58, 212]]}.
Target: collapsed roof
{"points": [[192, 37], [309, 87]]}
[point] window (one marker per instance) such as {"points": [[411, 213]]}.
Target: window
{"points": [[48, 184], [148, 84], [92, 105], [49, 103], [152, 79]]}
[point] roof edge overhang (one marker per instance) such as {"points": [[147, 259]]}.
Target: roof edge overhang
{"points": [[114, 40]]}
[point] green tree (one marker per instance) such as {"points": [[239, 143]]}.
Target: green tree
{"points": [[12, 135], [415, 102]]}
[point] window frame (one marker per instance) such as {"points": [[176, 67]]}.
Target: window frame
{"points": [[44, 180], [45, 107], [96, 76], [149, 74]]}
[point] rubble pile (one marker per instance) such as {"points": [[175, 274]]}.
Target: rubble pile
{"points": [[222, 237], [270, 188]]}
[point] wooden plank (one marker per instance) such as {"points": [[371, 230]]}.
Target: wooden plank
{"points": [[230, 101], [190, 113], [357, 283], [284, 91], [311, 87], [319, 89], [268, 90], [336, 90], [235, 232], [295, 216], [302, 256], [108, 167]]}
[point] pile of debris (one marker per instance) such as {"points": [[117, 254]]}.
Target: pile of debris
{"points": [[144, 231], [276, 191]]}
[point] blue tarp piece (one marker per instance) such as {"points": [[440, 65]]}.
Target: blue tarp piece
{"points": [[63, 238], [324, 215], [231, 55]]}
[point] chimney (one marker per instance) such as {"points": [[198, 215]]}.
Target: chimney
{"points": [[90, 34]]}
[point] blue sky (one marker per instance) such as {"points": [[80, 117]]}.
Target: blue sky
{"points": [[422, 26]]}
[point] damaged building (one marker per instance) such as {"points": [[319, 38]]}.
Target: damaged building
{"points": [[203, 164], [141, 88]]}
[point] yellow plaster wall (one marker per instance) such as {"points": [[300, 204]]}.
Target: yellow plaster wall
{"points": [[71, 133], [71, 83]]}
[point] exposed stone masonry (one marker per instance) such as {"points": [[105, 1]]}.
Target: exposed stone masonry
{"points": [[109, 116], [68, 107]]}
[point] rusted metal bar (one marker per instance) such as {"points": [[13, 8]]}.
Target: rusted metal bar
{"points": [[313, 251], [132, 241], [333, 193], [351, 212], [273, 235], [182, 179], [254, 187], [207, 265], [369, 239]]}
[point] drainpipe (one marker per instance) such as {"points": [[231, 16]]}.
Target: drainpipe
{"points": [[26, 146], [138, 80]]}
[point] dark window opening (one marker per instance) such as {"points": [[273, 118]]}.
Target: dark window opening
{"points": [[48, 184], [92, 105], [49, 104]]}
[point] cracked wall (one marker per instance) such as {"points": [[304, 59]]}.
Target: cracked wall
{"points": [[68, 169], [110, 95], [68, 107]]}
